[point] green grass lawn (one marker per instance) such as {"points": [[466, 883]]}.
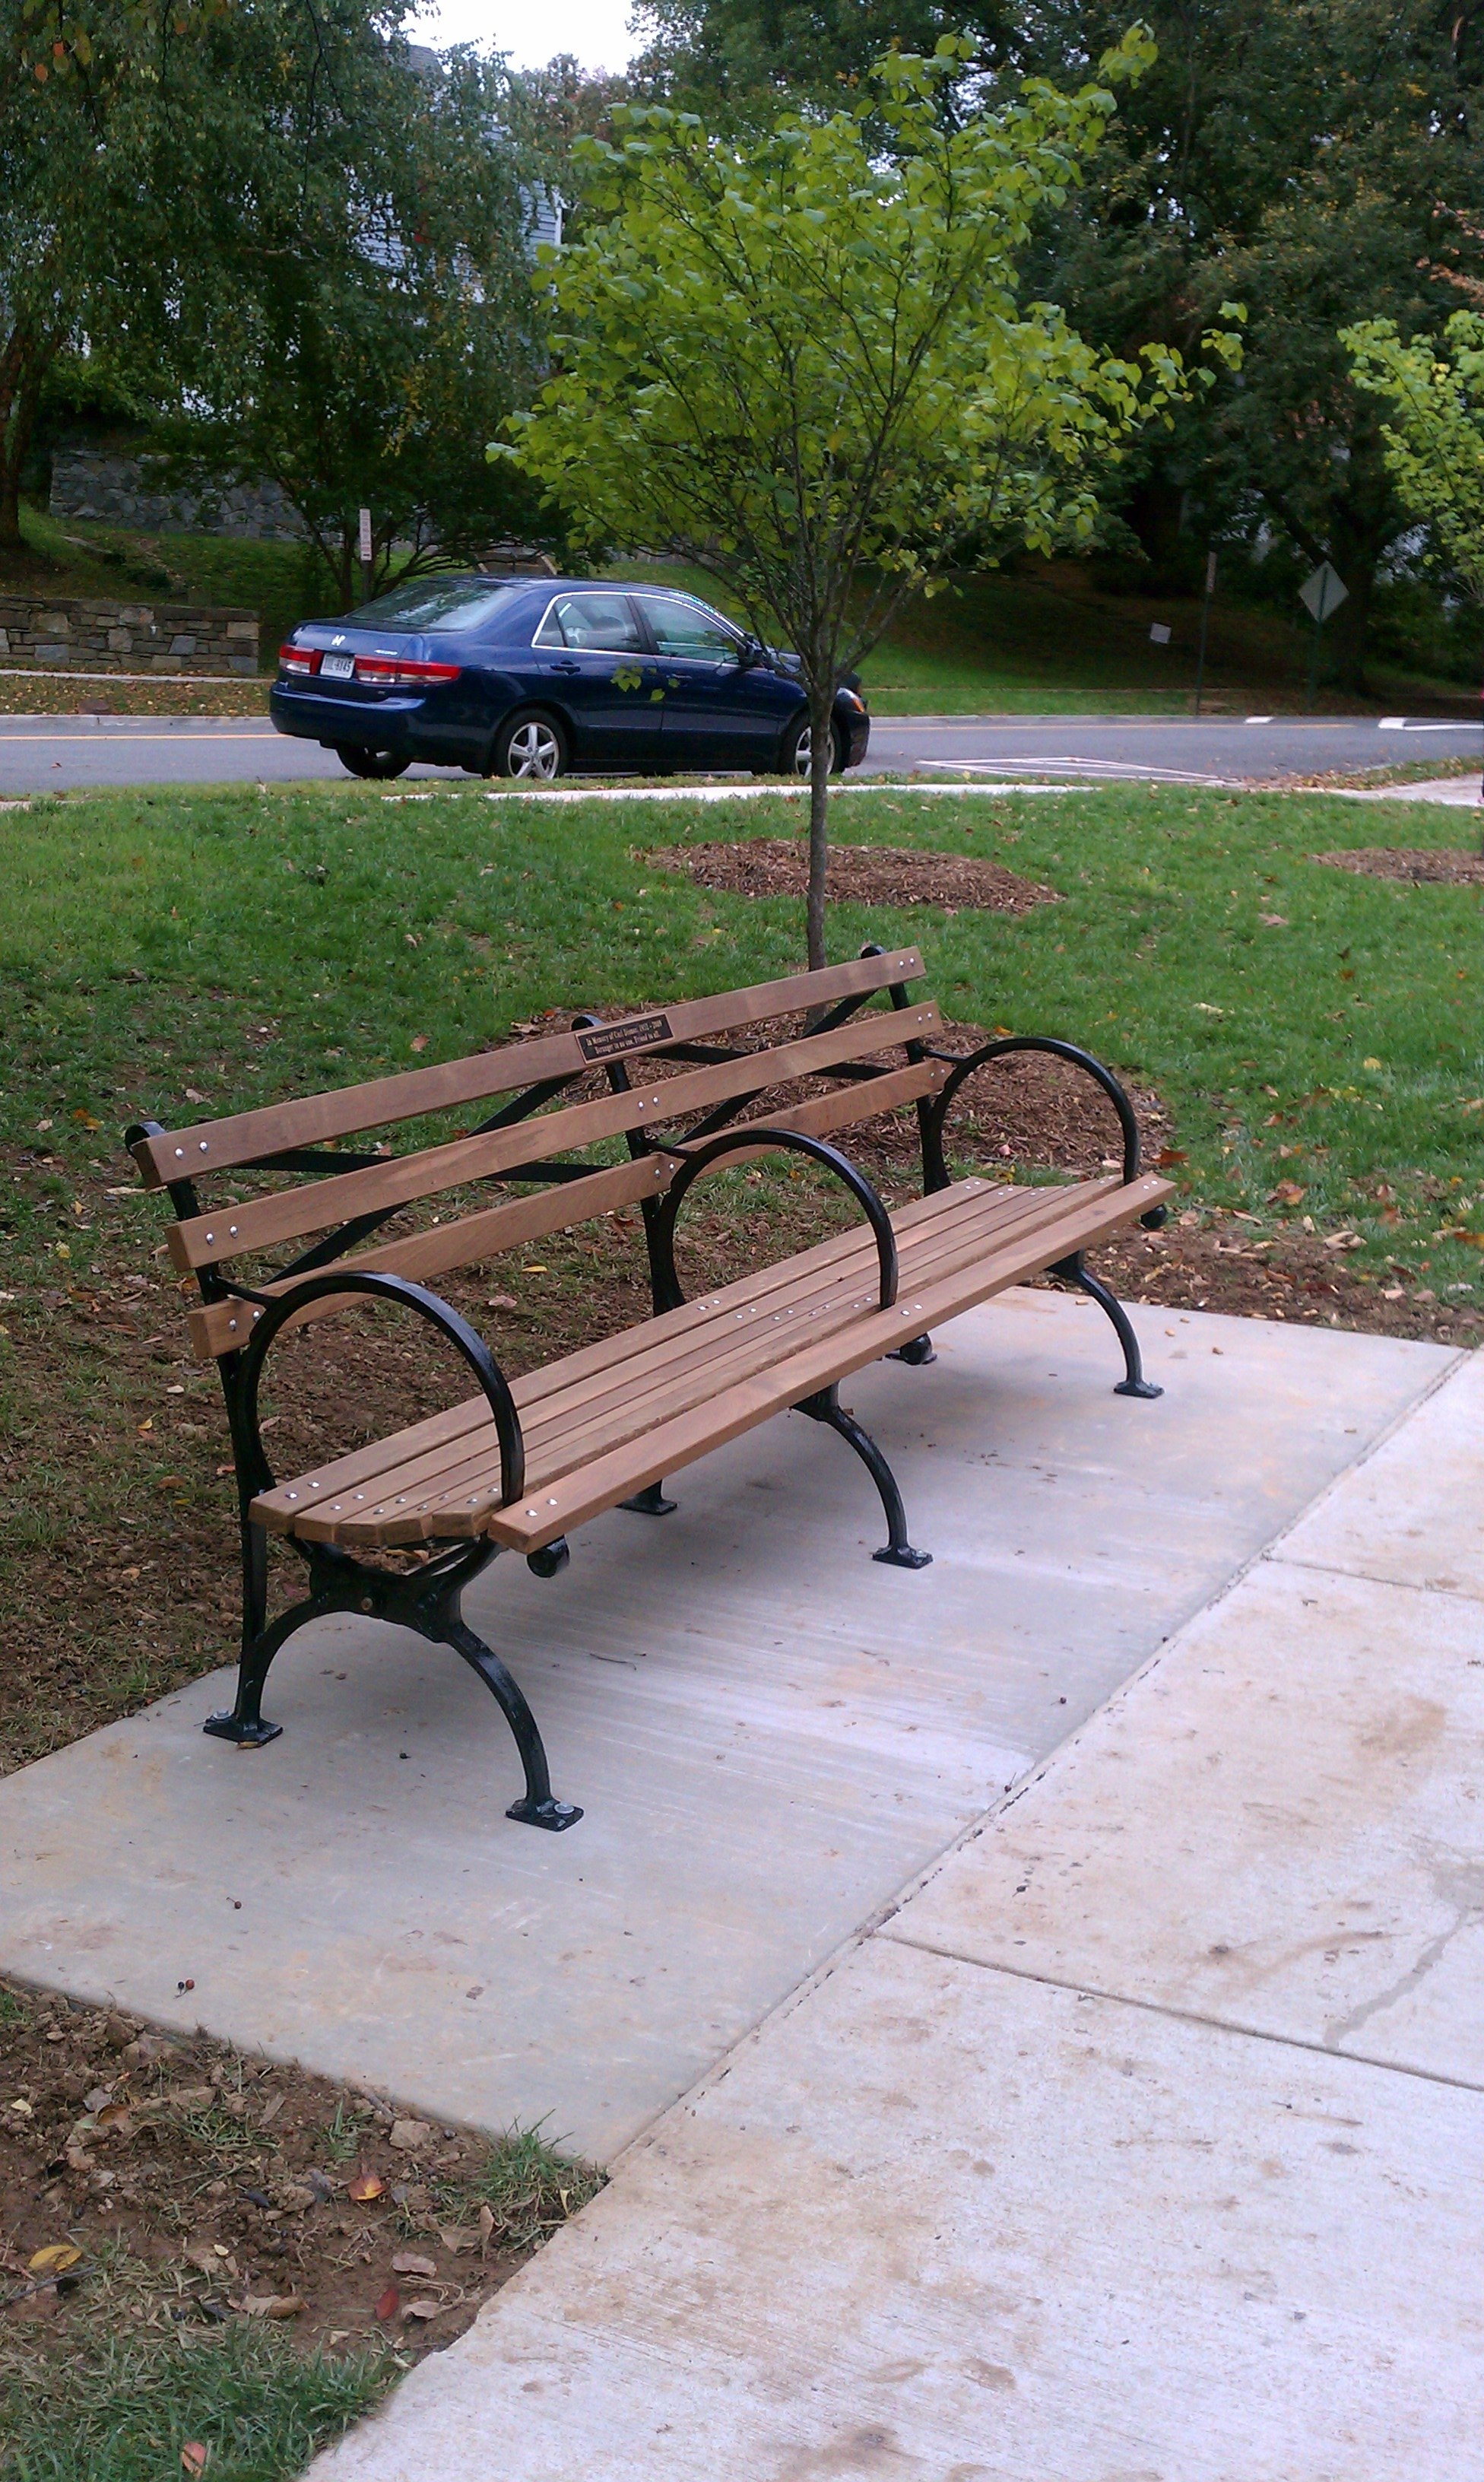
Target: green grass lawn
{"points": [[249, 942]]}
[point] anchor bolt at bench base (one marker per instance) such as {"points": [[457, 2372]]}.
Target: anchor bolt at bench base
{"points": [[553, 1814], [225, 1726], [1137, 1387], [900, 1555]]}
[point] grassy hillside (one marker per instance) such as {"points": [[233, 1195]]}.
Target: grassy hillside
{"points": [[1044, 641]]}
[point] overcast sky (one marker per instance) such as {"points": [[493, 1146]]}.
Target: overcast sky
{"points": [[596, 31]]}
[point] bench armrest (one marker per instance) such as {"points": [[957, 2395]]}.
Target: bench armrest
{"points": [[756, 1134], [935, 1170], [413, 1297]]}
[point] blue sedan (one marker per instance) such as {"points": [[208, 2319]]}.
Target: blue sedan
{"points": [[527, 678]]}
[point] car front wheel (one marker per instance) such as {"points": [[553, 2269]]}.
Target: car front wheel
{"points": [[377, 764], [798, 746], [531, 748]]}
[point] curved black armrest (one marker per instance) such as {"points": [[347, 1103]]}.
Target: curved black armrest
{"points": [[413, 1297], [935, 1170], [753, 1133]]}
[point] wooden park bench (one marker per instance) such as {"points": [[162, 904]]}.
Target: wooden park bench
{"points": [[517, 1465]]}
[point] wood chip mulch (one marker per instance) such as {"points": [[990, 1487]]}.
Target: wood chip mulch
{"points": [[1436, 866], [858, 873]]}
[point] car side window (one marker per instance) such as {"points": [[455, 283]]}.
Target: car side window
{"points": [[684, 628], [599, 624]]}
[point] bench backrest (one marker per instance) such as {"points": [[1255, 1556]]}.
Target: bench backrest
{"points": [[345, 1195]]}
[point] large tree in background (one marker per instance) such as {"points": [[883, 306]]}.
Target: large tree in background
{"points": [[801, 362], [370, 315], [274, 215], [1301, 159], [735, 60], [1306, 159]]}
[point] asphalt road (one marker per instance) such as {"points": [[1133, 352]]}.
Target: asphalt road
{"points": [[39, 753]]}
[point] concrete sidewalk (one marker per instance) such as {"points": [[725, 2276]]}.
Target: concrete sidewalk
{"points": [[1141, 2141]]}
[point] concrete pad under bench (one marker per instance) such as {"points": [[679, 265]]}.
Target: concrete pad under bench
{"points": [[769, 1733]]}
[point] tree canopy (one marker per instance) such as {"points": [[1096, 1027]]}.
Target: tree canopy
{"points": [[803, 363], [1309, 160], [1433, 442]]}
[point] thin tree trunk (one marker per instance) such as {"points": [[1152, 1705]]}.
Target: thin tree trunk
{"points": [[15, 441], [822, 751]]}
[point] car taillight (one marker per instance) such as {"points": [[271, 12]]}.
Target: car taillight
{"points": [[300, 659], [398, 671]]}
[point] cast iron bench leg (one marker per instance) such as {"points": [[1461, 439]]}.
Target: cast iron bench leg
{"points": [[917, 1355], [1073, 1271], [898, 1552], [428, 1600], [651, 1501]]}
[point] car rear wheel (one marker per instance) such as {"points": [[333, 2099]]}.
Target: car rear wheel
{"points": [[378, 764], [531, 748], [798, 745]]}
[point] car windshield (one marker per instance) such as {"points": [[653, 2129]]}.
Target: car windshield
{"points": [[433, 603]]}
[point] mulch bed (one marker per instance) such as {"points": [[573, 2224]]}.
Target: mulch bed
{"points": [[170, 2184], [858, 875], [1434, 866]]}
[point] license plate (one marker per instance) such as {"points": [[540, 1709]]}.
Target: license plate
{"points": [[338, 668]]}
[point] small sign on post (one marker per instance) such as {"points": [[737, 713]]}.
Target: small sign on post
{"points": [[366, 553], [1323, 590]]}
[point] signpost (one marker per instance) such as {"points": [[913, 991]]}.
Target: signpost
{"points": [[366, 549], [1323, 590], [1200, 661]]}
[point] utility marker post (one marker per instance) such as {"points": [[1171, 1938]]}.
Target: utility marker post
{"points": [[1200, 661], [365, 548], [1323, 590]]}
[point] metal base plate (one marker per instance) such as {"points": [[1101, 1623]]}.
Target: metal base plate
{"points": [[552, 1815], [903, 1557], [1137, 1387], [650, 1503], [247, 1736]]}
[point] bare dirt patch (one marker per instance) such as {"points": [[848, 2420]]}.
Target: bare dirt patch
{"points": [[1435, 866], [170, 2184], [858, 875]]}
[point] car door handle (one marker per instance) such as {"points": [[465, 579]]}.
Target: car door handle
{"points": [[565, 667]]}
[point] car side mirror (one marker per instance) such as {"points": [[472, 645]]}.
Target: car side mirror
{"points": [[752, 650]]}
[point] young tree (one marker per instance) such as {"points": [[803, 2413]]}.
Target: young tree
{"points": [[1434, 441], [801, 365]]}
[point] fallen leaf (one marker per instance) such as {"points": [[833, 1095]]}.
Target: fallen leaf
{"points": [[458, 2238], [486, 2225], [1168, 1155], [389, 2304], [418, 1042], [271, 2110], [364, 2188], [54, 2259], [534, 1271], [194, 2455], [501, 1302], [422, 2310], [115, 2116], [1371, 1064], [23, 2109], [1274, 921], [98, 2099], [1288, 1193], [192, 1096], [271, 2304], [408, 2263], [86, 1120], [287, 2305], [408, 2136]]}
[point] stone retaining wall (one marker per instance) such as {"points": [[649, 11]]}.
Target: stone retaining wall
{"points": [[91, 637], [116, 489]]}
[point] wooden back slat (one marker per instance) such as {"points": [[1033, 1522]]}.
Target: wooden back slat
{"points": [[311, 1120], [224, 1327], [287, 1215]]}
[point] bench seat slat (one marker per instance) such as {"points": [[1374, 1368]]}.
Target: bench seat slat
{"points": [[685, 1383], [450, 1428], [288, 1215], [218, 1146], [567, 1424]]}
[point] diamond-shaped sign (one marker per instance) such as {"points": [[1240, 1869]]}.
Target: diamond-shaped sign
{"points": [[1324, 591]]}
